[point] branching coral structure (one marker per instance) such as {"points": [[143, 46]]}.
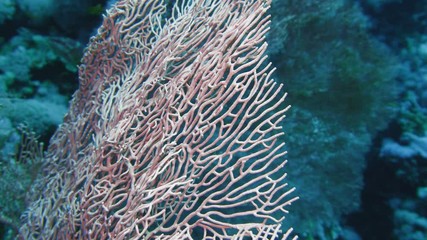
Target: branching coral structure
{"points": [[173, 133]]}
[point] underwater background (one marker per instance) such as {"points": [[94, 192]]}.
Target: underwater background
{"points": [[356, 134]]}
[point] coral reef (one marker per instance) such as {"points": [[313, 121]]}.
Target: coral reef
{"points": [[356, 77], [37, 77], [342, 87]]}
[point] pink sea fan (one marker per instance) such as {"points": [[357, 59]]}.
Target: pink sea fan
{"points": [[172, 133]]}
